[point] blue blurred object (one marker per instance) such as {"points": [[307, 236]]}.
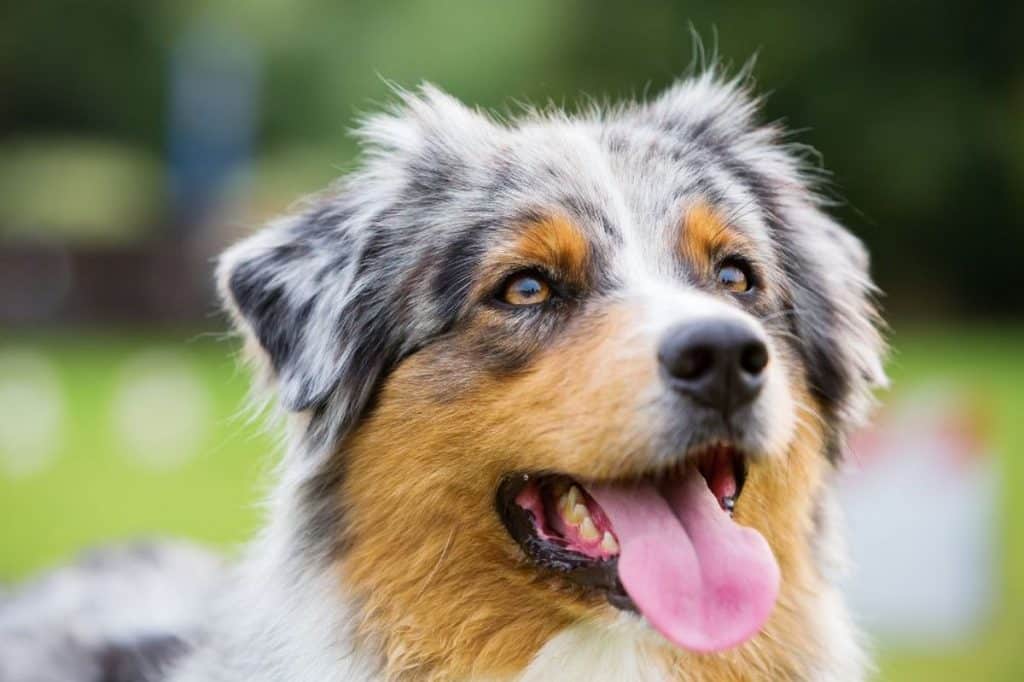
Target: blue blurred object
{"points": [[214, 87]]}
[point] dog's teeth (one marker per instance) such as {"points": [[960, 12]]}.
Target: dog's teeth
{"points": [[569, 499], [577, 514], [588, 531], [609, 544], [573, 497], [729, 502]]}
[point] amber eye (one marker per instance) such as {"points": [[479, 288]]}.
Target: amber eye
{"points": [[735, 277], [525, 289]]}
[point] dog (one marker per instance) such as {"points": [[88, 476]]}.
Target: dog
{"points": [[564, 396]]}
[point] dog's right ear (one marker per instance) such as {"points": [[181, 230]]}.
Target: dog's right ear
{"points": [[286, 288], [321, 292], [318, 314]]}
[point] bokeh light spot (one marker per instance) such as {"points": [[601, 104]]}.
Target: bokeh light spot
{"points": [[32, 412], [160, 410]]}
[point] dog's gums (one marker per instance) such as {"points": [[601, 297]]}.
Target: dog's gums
{"points": [[662, 545]]}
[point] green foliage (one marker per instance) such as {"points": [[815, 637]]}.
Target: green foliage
{"points": [[78, 189], [912, 105]]}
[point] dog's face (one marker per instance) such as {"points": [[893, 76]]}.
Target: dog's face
{"points": [[564, 370]]}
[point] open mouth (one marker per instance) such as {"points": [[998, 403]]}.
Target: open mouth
{"points": [[663, 545]]}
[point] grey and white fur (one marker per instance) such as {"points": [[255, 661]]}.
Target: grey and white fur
{"points": [[335, 296]]}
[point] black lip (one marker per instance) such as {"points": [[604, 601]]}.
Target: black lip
{"points": [[597, 575], [739, 472], [591, 574]]}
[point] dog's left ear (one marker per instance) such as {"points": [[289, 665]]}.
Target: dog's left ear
{"points": [[834, 313]]}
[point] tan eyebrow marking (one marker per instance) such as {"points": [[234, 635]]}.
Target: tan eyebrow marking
{"points": [[550, 242], [704, 235], [557, 242]]}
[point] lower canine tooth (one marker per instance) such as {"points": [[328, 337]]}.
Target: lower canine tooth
{"points": [[588, 531], [609, 544]]}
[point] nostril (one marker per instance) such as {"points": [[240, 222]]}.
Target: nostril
{"points": [[694, 362], [754, 357], [716, 363]]}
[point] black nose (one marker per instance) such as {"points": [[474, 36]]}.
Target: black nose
{"points": [[717, 363]]}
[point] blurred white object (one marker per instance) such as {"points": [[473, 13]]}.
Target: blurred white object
{"points": [[160, 411], [921, 497], [32, 412]]}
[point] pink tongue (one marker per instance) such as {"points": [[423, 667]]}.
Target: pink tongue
{"points": [[702, 581]]}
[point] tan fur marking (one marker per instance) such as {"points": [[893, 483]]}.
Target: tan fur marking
{"points": [[558, 242], [705, 235], [445, 588], [445, 593], [554, 243]]}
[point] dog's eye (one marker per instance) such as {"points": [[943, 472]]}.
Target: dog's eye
{"points": [[734, 276], [525, 289]]}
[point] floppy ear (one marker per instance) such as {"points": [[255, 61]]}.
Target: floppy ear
{"points": [[291, 289], [326, 294], [306, 291], [834, 314]]}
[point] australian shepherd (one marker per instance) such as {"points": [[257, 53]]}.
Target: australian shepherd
{"points": [[564, 398]]}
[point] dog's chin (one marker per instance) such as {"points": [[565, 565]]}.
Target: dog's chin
{"points": [[660, 543]]}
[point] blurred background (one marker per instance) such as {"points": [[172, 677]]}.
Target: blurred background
{"points": [[138, 138]]}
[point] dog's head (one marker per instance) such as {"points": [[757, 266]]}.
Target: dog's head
{"points": [[541, 364]]}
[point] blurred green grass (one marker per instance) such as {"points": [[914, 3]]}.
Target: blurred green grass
{"points": [[987, 363], [97, 491]]}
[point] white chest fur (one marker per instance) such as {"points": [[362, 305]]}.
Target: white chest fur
{"points": [[598, 652]]}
